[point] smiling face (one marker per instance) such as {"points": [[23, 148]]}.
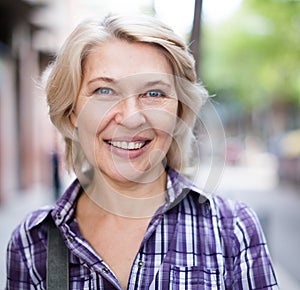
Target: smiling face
{"points": [[126, 111]]}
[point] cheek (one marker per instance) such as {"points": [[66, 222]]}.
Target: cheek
{"points": [[93, 116], [92, 119], [163, 120]]}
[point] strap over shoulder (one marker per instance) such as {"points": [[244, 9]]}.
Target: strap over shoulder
{"points": [[57, 259]]}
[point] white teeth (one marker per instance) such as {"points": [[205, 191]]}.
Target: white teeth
{"points": [[127, 145], [131, 146]]}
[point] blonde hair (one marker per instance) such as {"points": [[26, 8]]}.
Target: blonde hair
{"points": [[66, 72]]}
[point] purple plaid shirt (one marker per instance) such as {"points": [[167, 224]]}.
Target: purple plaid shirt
{"points": [[192, 242]]}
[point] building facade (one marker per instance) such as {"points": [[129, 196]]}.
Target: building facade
{"points": [[25, 130]]}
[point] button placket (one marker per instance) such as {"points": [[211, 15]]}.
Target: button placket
{"points": [[92, 282], [92, 275]]}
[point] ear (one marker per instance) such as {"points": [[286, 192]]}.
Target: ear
{"points": [[73, 119]]}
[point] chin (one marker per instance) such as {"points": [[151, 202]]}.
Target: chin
{"points": [[132, 174]]}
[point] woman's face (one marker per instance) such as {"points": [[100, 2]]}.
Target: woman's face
{"points": [[126, 110]]}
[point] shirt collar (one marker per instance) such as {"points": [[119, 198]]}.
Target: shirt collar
{"points": [[64, 209], [178, 187]]}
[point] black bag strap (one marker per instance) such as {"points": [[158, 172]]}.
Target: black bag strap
{"points": [[57, 259]]}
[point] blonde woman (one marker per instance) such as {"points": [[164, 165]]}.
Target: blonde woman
{"points": [[123, 92]]}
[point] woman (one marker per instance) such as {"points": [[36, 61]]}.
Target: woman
{"points": [[123, 93]]}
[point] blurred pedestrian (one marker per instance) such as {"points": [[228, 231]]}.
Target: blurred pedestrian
{"points": [[123, 92], [56, 162], [56, 182]]}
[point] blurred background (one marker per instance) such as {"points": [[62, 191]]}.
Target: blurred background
{"points": [[248, 57]]}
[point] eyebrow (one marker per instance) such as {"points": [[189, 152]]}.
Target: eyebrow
{"points": [[158, 82], [146, 84], [104, 79]]}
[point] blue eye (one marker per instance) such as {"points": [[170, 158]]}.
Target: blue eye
{"points": [[155, 94], [104, 91]]}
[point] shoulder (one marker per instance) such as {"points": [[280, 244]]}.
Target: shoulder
{"points": [[232, 216], [35, 221], [235, 214], [34, 227], [28, 229], [233, 221], [227, 212], [238, 227], [230, 209], [27, 247]]}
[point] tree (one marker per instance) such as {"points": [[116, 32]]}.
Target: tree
{"points": [[254, 57]]}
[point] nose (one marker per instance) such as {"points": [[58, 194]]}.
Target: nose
{"points": [[129, 113]]}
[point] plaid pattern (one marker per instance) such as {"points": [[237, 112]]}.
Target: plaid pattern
{"points": [[192, 242]]}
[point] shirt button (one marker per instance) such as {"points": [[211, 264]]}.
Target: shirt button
{"points": [[71, 239], [140, 264], [105, 270], [58, 215]]}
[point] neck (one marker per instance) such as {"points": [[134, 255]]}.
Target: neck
{"points": [[132, 199]]}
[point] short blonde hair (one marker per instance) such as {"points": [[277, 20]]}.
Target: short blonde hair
{"points": [[66, 72]]}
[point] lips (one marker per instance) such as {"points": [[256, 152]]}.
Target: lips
{"points": [[128, 143], [128, 147]]}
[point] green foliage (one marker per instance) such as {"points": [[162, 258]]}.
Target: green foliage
{"points": [[254, 57]]}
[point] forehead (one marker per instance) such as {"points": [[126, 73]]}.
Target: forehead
{"points": [[118, 59]]}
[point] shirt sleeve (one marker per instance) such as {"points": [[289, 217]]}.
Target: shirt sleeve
{"points": [[253, 268]]}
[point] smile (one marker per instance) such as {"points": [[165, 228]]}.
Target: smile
{"points": [[127, 145]]}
